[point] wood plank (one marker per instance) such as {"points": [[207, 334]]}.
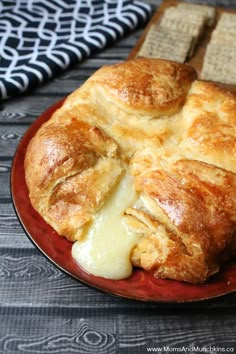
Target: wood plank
{"points": [[27, 277], [25, 109], [57, 333], [5, 169], [10, 136], [77, 331], [12, 234], [177, 330]]}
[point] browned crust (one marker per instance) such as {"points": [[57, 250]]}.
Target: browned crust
{"points": [[176, 136]]}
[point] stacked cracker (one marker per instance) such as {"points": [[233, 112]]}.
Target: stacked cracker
{"points": [[176, 35], [219, 62]]}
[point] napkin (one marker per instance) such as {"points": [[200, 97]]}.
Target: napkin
{"points": [[39, 39]]}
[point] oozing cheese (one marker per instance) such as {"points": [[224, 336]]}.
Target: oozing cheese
{"points": [[105, 251]]}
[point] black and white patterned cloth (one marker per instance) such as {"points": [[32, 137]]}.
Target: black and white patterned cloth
{"points": [[39, 39]]}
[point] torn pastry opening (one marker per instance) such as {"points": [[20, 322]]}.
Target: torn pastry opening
{"points": [[105, 249]]}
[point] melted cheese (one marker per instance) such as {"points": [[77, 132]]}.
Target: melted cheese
{"points": [[105, 250]]}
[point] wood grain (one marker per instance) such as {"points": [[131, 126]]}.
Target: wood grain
{"points": [[79, 332], [43, 310], [12, 235], [5, 169], [25, 109], [10, 136], [59, 333]]}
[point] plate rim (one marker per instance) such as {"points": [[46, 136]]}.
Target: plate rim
{"points": [[28, 134]]}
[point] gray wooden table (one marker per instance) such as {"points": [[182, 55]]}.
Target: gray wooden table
{"points": [[43, 310]]}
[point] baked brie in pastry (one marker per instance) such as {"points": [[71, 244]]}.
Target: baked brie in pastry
{"points": [[138, 168]]}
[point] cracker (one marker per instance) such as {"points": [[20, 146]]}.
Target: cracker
{"points": [[227, 20], [219, 61], [163, 43], [223, 38], [208, 11], [184, 21], [167, 54], [226, 24], [193, 22], [179, 25], [185, 15], [219, 64], [213, 71], [221, 50]]}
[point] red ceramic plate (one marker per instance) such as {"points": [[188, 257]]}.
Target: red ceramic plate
{"points": [[140, 286]]}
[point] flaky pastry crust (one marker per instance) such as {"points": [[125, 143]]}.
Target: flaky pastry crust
{"points": [[174, 134]]}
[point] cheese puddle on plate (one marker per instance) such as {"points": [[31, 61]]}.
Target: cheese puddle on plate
{"points": [[105, 250]]}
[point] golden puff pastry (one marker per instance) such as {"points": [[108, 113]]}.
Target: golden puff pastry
{"points": [[193, 204], [70, 168], [174, 135]]}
